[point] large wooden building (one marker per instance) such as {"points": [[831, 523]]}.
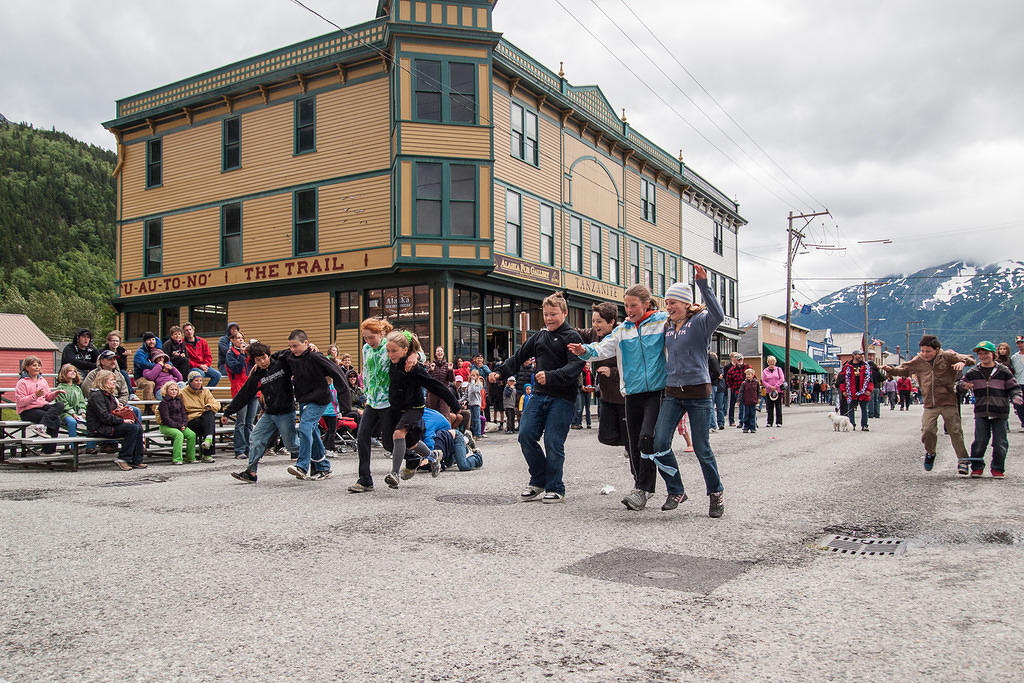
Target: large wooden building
{"points": [[418, 166]]}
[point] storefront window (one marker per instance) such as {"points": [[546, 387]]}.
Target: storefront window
{"points": [[210, 320], [406, 308]]}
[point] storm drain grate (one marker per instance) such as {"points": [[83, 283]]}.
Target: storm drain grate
{"points": [[651, 569], [152, 479], [851, 545], [475, 499]]}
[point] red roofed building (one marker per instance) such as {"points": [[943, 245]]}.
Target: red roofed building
{"points": [[19, 337]]}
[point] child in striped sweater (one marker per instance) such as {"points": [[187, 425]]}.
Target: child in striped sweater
{"points": [[995, 387]]}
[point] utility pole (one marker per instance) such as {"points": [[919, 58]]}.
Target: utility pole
{"points": [[791, 250], [909, 323], [866, 333]]}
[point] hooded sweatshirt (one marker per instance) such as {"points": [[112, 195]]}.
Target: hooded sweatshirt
{"points": [[309, 371], [274, 383], [223, 344], [687, 346], [83, 359]]}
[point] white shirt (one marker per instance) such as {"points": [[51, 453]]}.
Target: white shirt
{"points": [[1018, 366]]}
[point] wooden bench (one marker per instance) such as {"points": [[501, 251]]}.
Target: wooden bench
{"points": [[74, 444]]}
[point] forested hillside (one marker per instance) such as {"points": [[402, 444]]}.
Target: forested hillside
{"points": [[57, 199]]}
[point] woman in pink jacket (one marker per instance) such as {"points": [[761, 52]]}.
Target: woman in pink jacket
{"points": [[773, 378], [36, 403]]}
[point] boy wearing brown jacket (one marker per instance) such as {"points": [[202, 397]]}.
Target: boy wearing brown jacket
{"points": [[936, 372]]}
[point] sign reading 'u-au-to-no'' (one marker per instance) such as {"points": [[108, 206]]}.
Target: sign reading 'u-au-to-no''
{"points": [[278, 270]]}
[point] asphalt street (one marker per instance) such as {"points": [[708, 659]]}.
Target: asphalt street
{"points": [[187, 574]]}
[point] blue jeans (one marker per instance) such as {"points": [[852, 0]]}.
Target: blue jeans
{"points": [[852, 413], [474, 421], [672, 411], [548, 416], [876, 403], [719, 396], [986, 428], [311, 448], [72, 426], [748, 418], [243, 426], [265, 430], [582, 407], [463, 462], [212, 373]]}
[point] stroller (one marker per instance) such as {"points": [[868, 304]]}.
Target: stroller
{"points": [[345, 435]]}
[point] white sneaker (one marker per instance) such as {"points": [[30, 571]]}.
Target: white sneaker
{"points": [[38, 431]]}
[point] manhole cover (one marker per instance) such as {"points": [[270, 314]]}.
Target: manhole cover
{"points": [[475, 499], [26, 494], [850, 545], [151, 479], [658, 570]]}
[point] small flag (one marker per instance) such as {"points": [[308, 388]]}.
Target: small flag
{"points": [[796, 305], [877, 342], [806, 310]]}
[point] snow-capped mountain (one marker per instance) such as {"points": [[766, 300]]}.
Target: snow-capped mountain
{"points": [[961, 303]]}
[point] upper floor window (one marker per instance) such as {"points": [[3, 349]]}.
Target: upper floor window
{"points": [[613, 258], [154, 163], [513, 223], [659, 282], [647, 196], [445, 196], [575, 244], [547, 234], [444, 91], [231, 144], [719, 243], [304, 234], [524, 134], [634, 262], [649, 268], [305, 125], [673, 270], [154, 247], [732, 298], [595, 251], [230, 234]]}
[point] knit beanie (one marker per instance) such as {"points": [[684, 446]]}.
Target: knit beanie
{"points": [[680, 291], [194, 374]]}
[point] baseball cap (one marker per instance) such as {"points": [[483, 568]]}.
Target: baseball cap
{"points": [[1020, 337], [986, 346], [107, 353], [458, 379]]}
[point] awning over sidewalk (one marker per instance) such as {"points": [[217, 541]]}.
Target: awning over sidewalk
{"points": [[796, 358]]}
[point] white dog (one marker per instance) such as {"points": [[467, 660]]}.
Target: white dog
{"points": [[840, 423]]}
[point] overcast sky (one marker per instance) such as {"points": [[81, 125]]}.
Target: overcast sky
{"points": [[902, 117]]}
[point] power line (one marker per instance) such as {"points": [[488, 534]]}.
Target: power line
{"points": [[815, 200], [687, 96]]}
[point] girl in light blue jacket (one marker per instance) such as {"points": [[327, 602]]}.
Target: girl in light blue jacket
{"points": [[638, 346]]}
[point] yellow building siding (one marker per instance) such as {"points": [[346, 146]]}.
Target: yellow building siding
{"points": [[355, 214], [542, 180], [665, 232], [191, 241], [352, 137], [450, 50], [531, 229], [131, 251], [438, 140], [271, 320], [267, 228]]}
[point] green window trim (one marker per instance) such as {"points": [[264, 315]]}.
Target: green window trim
{"points": [[648, 267], [614, 258], [446, 197], [596, 270], [547, 234], [648, 200], [153, 247], [305, 125], [231, 234], [347, 313], [445, 90], [513, 223], [154, 163], [673, 270], [634, 262], [576, 244], [523, 134], [659, 280], [231, 144], [304, 222]]}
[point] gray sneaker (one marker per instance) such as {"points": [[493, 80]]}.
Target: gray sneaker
{"points": [[470, 441], [435, 464], [531, 493], [391, 480], [322, 474], [636, 500], [673, 501], [406, 473], [359, 488], [717, 504]]}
